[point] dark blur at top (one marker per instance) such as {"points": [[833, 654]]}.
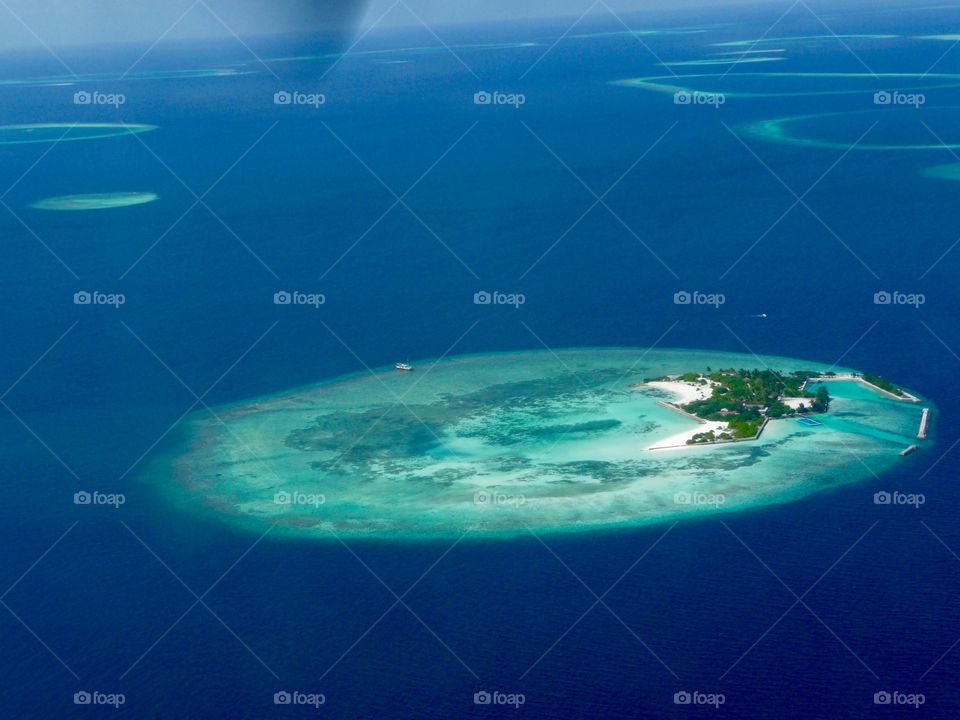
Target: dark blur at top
{"points": [[78, 29]]}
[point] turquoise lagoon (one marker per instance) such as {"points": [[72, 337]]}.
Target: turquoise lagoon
{"points": [[502, 444]]}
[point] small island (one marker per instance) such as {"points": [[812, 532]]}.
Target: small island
{"points": [[736, 405]]}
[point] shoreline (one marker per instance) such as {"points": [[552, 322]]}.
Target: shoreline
{"points": [[905, 397], [723, 428], [679, 440], [688, 392], [677, 409], [691, 392]]}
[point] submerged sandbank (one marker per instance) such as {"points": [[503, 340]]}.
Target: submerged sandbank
{"points": [[94, 201]]}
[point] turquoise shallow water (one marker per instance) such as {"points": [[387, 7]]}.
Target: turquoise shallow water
{"points": [[495, 444]]}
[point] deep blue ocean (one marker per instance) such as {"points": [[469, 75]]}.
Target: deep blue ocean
{"points": [[713, 607]]}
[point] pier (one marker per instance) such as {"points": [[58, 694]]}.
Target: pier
{"points": [[924, 423]]}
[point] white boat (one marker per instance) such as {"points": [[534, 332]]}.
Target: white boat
{"points": [[405, 367]]}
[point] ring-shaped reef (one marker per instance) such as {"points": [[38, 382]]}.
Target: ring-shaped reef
{"points": [[94, 201], [777, 84], [501, 444], [893, 122]]}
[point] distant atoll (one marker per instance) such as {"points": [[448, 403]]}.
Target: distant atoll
{"points": [[94, 201]]}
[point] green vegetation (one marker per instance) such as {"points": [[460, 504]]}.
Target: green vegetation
{"points": [[882, 384], [709, 437], [821, 401], [746, 399]]}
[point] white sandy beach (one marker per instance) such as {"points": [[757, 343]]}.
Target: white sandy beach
{"points": [[686, 392], [679, 441]]}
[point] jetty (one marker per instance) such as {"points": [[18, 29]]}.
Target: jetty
{"points": [[924, 424]]}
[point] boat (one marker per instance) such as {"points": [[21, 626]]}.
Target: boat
{"points": [[405, 367]]}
